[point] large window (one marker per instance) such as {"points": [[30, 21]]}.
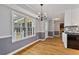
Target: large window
{"points": [[22, 27]]}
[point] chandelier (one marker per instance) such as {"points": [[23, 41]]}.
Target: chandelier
{"points": [[42, 16]]}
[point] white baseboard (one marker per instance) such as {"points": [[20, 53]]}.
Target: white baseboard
{"points": [[23, 47], [42, 39], [50, 36]]}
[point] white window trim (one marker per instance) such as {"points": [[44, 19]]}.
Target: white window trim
{"points": [[14, 40]]}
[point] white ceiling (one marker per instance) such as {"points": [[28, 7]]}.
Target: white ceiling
{"points": [[52, 10]]}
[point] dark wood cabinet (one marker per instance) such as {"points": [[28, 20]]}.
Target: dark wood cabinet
{"points": [[73, 41]]}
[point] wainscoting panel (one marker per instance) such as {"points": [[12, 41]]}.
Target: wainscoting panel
{"points": [[50, 33], [6, 45], [56, 32], [40, 35]]}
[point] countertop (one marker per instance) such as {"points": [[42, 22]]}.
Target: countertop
{"points": [[71, 33]]}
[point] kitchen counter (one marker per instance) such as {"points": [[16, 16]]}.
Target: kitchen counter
{"points": [[70, 40], [71, 33]]}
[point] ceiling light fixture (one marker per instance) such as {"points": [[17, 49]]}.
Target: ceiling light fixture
{"points": [[42, 16]]}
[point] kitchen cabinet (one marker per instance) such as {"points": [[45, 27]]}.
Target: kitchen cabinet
{"points": [[75, 16], [71, 17], [64, 39], [73, 41], [67, 18]]}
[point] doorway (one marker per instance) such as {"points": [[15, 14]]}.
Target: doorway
{"points": [[61, 29]]}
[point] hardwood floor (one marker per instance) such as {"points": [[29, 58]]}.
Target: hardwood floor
{"points": [[52, 46]]}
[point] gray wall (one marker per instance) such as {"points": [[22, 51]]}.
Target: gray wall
{"points": [[6, 45]]}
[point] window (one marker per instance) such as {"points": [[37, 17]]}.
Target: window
{"points": [[22, 27], [29, 25]]}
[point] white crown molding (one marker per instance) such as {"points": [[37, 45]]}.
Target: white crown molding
{"points": [[29, 8], [20, 9], [32, 8]]}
